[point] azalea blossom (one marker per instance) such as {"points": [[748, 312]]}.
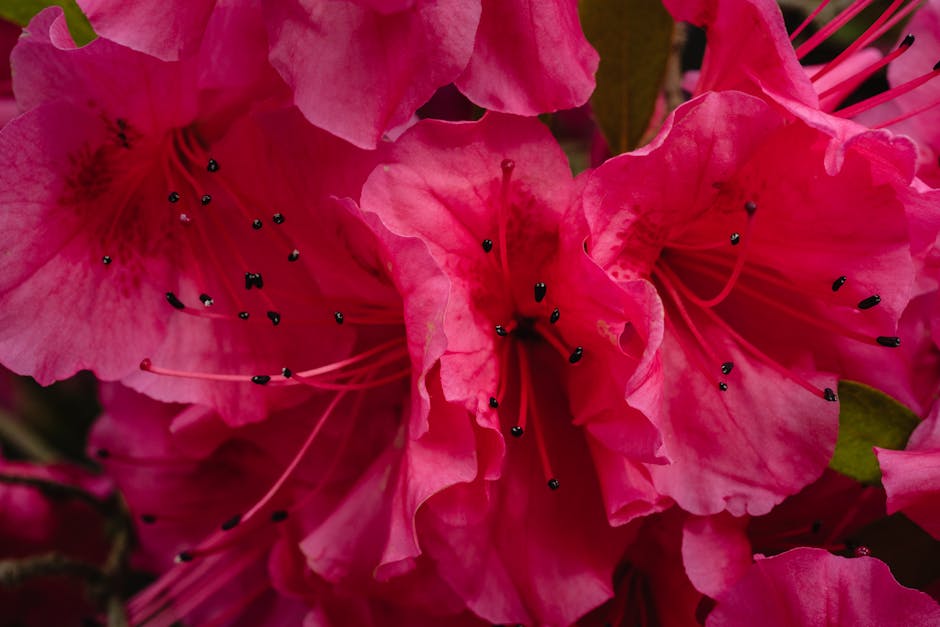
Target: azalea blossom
{"points": [[748, 223], [385, 58]]}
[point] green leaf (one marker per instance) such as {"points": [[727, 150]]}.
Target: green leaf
{"points": [[634, 38], [22, 11], [868, 418]]}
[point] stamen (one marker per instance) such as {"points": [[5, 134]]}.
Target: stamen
{"points": [[212, 166], [148, 519], [338, 317], [869, 302], [516, 431], [829, 395], [244, 315], [553, 484], [889, 341], [723, 386], [232, 522], [525, 390], [838, 283], [555, 316], [576, 355], [253, 279], [493, 402], [809, 20], [206, 300], [829, 29], [183, 557], [860, 41], [174, 301], [174, 197], [501, 330], [294, 255], [735, 239], [286, 373], [278, 515], [106, 260], [205, 200], [843, 88], [256, 224], [727, 367], [539, 290], [274, 317], [277, 218], [261, 379], [891, 94], [487, 245]]}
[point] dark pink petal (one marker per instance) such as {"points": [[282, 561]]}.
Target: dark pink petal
{"points": [[912, 476], [530, 57], [748, 48], [716, 552], [813, 588], [379, 67], [167, 30]]}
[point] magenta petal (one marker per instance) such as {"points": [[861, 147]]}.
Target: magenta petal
{"points": [[379, 68], [912, 477], [530, 57], [168, 30], [813, 588], [716, 552]]}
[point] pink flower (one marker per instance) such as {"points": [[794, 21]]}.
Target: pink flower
{"points": [[534, 342], [749, 224], [382, 59], [145, 225], [912, 476], [811, 587]]}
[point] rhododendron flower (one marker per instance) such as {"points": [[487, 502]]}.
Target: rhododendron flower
{"points": [[912, 476], [151, 229], [540, 347], [749, 223], [815, 588], [385, 58]]}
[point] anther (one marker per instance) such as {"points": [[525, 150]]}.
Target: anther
{"points": [[212, 166], [294, 255], [274, 317], [286, 373], [338, 316], [890, 341], [501, 330], [723, 386], [493, 402], [106, 260], [539, 289], [508, 165], [278, 515], [206, 300], [838, 283], [102, 453], [173, 197], [816, 527], [735, 239], [232, 522], [148, 519], [555, 315], [278, 218], [253, 279], [829, 395], [183, 557], [727, 367], [862, 551], [907, 42], [553, 484], [205, 200], [146, 364], [869, 302], [751, 207], [487, 245], [260, 379], [256, 224], [576, 355], [174, 301], [516, 431], [243, 315]]}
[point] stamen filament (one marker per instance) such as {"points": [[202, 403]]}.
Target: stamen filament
{"points": [[525, 391], [863, 40], [891, 94], [809, 20], [829, 29]]}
